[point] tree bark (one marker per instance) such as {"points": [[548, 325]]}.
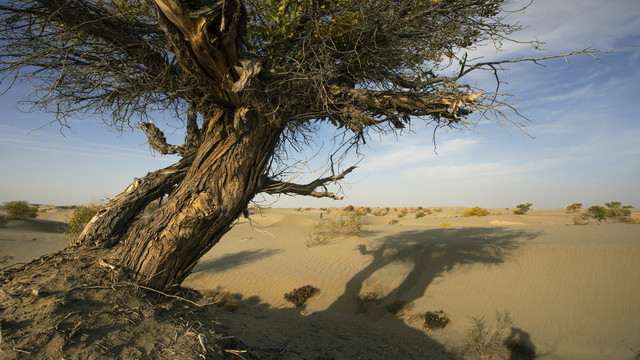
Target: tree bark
{"points": [[111, 223], [161, 250]]}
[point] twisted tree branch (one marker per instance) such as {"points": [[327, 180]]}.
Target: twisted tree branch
{"points": [[271, 186]]}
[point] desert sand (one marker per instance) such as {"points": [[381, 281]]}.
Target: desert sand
{"points": [[572, 291]]}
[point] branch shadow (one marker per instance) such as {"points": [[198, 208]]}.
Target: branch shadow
{"points": [[431, 253], [231, 261]]}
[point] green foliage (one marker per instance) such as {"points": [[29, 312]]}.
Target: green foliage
{"points": [[325, 230], [522, 209], [420, 215], [485, 342], [575, 207], [81, 217], [614, 210], [19, 209], [475, 211]]}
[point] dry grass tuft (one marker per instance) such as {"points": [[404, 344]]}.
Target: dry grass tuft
{"points": [[325, 230], [224, 299], [299, 296]]}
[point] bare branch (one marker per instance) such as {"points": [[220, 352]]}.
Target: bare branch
{"points": [[271, 186], [158, 141]]}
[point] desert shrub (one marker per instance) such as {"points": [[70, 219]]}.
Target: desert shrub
{"points": [[369, 296], [616, 210], [631, 221], [438, 210], [299, 296], [597, 212], [475, 211], [581, 220], [445, 224], [402, 213], [485, 342], [393, 222], [323, 231], [361, 211], [522, 208], [223, 299], [400, 307], [420, 215], [575, 207], [349, 208], [19, 209], [81, 217], [381, 212], [431, 320]]}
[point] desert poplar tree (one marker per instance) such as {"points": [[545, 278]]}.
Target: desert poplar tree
{"points": [[248, 79]]}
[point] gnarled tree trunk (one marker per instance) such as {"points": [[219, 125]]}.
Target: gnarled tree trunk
{"points": [[162, 249]]}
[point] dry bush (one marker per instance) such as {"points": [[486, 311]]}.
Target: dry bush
{"points": [[475, 211], [81, 217], [431, 320], [299, 296], [400, 307], [224, 299], [19, 209], [393, 222], [581, 220], [445, 224], [325, 230], [402, 213], [486, 342], [381, 212]]}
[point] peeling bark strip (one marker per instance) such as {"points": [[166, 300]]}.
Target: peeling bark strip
{"points": [[107, 226], [162, 249]]}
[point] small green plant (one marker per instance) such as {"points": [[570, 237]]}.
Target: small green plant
{"points": [[616, 210], [420, 215], [522, 209], [598, 212], [323, 231], [81, 217], [19, 209], [575, 207], [299, 296], [475, 211], [486, 342]]}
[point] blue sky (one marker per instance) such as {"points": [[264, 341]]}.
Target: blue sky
{"points": [[584, 123]]}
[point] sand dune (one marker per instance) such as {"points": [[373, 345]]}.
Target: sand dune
{"points": [[572, 291]]}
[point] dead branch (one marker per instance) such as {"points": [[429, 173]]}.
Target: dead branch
{"points": [[271, 186]]}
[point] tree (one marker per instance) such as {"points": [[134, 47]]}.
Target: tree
{"points": [[250, 80]]}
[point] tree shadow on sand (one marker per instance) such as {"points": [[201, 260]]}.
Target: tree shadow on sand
{"points": [[431, 254], [234, 260], [341, 333]]}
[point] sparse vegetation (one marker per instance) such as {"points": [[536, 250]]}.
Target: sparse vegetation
{"points": [[431, 320], [224, 299], [522, 208], [445, 224], [420, 215], [402, 213], [325, 230], [485, 342], [19, 209], [382, 212], [299, 296], [393, 222], [475, 211], [613, 210], [575, 207], [81, 217]]}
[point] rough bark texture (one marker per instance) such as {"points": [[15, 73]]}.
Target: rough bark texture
{"points": [[161, 250], [106, 228]]}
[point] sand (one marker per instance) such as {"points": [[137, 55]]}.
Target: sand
{"points": [[572, 291]]}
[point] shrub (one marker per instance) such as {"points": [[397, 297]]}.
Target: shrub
{"points": [[420, 215], [475, 211], [581, 220], [575, 207], [616, 210], [381, 212], [522, 209], [597, 212], [393, 222], [324, 231], [19, 209], [81, 217], [485, 342], [299, 296], [431, 320], [402, 212], [349, 208], [445, 224]]}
